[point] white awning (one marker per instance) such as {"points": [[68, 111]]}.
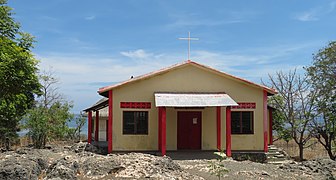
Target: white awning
{"points": [[193, 100]]}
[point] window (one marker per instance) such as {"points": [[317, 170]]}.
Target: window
{"points": [[135, 122], [242, 122]]}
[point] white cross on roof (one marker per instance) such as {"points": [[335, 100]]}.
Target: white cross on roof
{"points": [[189, 39]]}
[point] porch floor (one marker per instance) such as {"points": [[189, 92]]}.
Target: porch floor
{"points": [[191, 155]]}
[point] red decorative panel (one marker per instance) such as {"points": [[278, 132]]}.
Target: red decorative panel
{"points": [[135, 105], [244, 106]]}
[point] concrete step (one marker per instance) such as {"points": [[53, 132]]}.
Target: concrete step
{"points": [[272, 153], [273, 149], [272, 146], [278, 162], [280, 156], [275, 155], [275, 159]]}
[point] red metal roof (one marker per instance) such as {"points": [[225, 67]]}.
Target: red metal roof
{"points": [[103, 90]]}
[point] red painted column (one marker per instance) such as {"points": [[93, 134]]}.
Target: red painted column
{"points": [[218, 109], [110, 121], [163, 131], [265, 120], [270, 126], [97, 127], [159, 130], [106, 129], [228, 131], [90, 127]]}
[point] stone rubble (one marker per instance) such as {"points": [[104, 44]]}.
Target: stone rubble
{"points": [[75, 162], [138, 165], [324, 167], [83, 161]]}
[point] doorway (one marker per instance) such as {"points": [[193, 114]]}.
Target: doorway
{"points": [[189, 130]]}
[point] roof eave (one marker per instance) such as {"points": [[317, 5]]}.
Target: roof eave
{"points": [[270, 92], [99, 105]]}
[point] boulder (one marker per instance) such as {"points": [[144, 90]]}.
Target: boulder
{"points": [[64, 168], [13, 166], [99, 166], [320, 167]]}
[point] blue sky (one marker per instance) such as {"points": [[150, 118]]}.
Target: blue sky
{"points": [[91, 44]]}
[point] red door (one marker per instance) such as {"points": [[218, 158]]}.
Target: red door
{"points": [[189, 125]]}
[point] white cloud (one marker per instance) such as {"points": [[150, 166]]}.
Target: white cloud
{"points": [[201, 22], [90, 18], [307, 16], [48, 18], [137, 54], [254, 56], [316, 13], [181, 20], [332, 6], [81, 75]]}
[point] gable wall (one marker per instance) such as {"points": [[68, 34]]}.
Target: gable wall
{"points": [[185, 79]]}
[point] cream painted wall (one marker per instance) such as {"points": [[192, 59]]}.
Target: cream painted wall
{"points": [[186, 79], [209, 129]]}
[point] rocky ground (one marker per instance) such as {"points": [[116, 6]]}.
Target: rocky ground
{"points": [[316, 169], [76, 162]]}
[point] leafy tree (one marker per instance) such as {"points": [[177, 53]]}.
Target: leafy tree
{"points": [[48, 119], [322, 75], [18, 73], [8, 26], [279, 121], [295, 106], [75, 133], [80, 122], [37, 123]]}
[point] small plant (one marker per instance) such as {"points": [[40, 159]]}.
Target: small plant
{"points": [[217, 167]]}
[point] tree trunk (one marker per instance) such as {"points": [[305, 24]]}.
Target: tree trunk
{"points": [[79, 134], [301, 152], [331, 155], [7, 144]]}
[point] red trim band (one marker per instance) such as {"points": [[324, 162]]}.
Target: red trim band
{"points": [[135, 105], [245, 105]]}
